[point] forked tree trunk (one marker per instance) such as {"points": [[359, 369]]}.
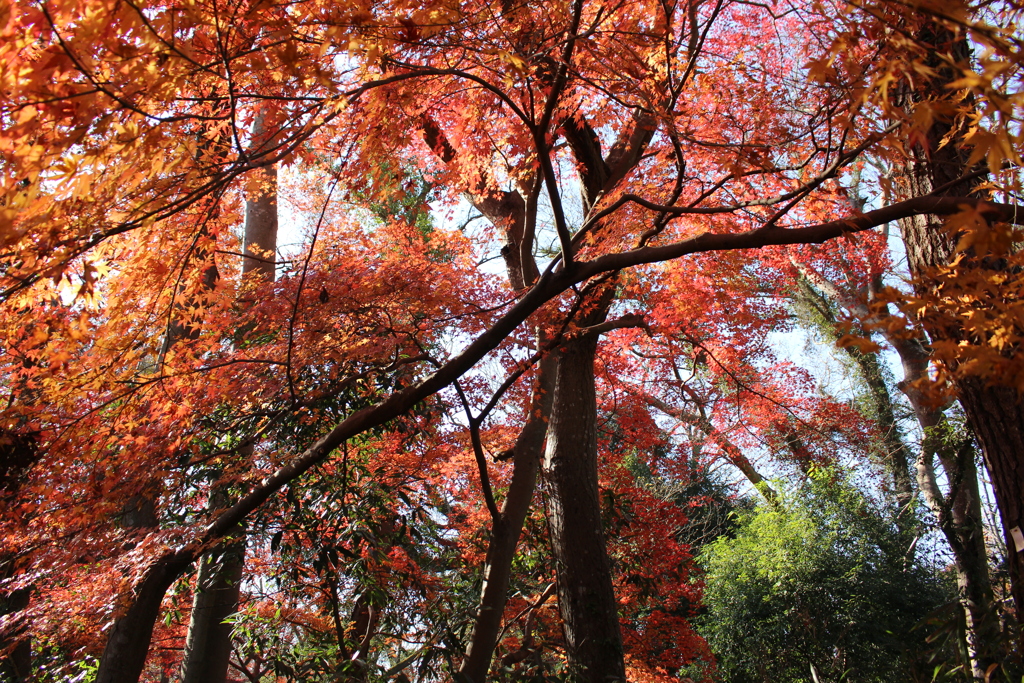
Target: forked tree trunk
{"points": [[958, 513], [586, 597]]}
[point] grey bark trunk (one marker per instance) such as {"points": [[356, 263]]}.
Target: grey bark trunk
{"points": [[997, 417], [208, 644], [218, 582], [959, 517]]}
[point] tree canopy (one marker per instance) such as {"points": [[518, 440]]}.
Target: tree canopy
{"points": [[519, 242]]}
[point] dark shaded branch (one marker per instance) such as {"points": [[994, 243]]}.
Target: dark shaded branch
{"points": [[481, 460]]}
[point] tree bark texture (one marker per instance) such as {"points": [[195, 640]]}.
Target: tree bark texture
{"points": [[261, 227], [208, 644], [586, 597], [128, 642], [996, 414], [971, 561], [959, 518]]}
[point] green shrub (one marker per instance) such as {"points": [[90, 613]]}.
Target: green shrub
{"points": [[818, 587]]}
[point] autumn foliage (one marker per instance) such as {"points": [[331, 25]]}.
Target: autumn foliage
{"points": [[469, 195]]}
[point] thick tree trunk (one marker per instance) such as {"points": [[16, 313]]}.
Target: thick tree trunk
{"points": [[218, 586], [515, 214], [586, 597], [16, 664], [996, 414], [128, 642], [208, 644], [261, 227]]}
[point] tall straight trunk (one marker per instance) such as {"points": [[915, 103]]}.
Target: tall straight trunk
{"points": [[208, 643], [505, 533], [586, 597], [958, 512], [515, 213], [996, 414], [218, 580], [506, 530], [960, 519]]}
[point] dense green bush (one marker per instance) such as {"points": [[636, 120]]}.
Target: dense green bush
{"points": [[817, 587]]}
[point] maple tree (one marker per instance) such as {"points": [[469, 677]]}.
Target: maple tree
{"points": [[601, 142]]}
